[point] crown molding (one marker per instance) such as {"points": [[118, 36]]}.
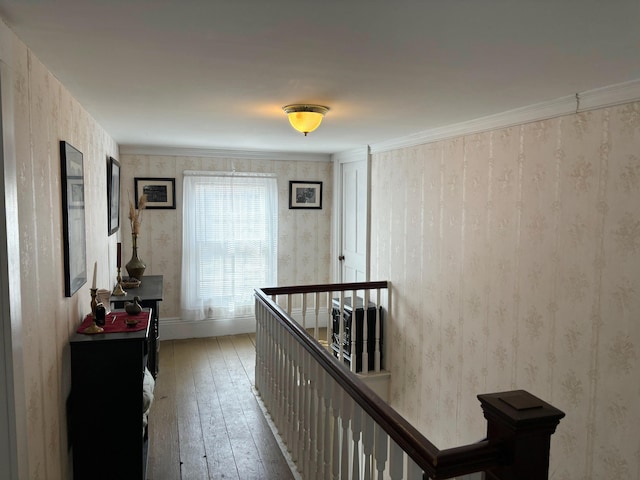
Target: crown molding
{"points": [[609, 96], [353, 155], [219, 153], [589, 100]]}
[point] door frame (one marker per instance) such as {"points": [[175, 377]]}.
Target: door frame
{"points": [[339, 159], [13, 443]]}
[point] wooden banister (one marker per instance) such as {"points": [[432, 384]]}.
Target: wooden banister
{"points": [[325, 287], [519, 424]]}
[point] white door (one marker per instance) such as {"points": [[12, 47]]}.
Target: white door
{"points": [[354, 221]]}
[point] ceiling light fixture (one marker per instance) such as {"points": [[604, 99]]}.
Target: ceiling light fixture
{"points": [[305, 118]]}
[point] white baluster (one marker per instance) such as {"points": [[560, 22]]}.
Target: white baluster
{"points": [[279, 380], [292, 381], [381, 442], [304, 310], [367, 444], [327, 434], [354, 331], [345, 419], [356, 430], [294, 413], [286, 391], [313, 419], [309, 416], [414, 472], [341, 329], [302, 423], [326, 425], [316, 333], [335, 429], [365, 333], [396, 461], [330, 317], [377, 365]]}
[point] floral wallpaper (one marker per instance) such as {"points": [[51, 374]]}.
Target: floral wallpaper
{"points": [[44, 114], [304, 236], [514, 256]]}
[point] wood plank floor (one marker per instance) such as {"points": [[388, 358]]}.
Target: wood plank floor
{"points": [[205, 422]]}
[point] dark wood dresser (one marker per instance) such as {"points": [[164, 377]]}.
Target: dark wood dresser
{"points": [[108, 436], [150, 292]]}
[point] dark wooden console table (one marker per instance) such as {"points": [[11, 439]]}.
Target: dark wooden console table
{"points": [[150, 293], [108, 435]]}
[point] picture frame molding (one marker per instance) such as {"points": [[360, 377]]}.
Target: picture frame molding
{"points": [[113, 195], [305, 194], [73, 218], [164, 200]]}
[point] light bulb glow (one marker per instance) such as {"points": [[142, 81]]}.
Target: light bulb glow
{"points": [[305, 118]]}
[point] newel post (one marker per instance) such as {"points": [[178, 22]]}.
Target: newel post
{"points": [[521, 425]]}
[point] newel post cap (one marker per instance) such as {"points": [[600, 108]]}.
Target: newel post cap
{"points": [[520, 411]]}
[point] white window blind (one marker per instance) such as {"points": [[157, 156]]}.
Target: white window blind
{"points": [[229, 243]]}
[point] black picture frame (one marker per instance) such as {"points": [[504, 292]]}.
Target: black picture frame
{"points": [[160, 192], [113, 194], [305, 194], [73, 218]]}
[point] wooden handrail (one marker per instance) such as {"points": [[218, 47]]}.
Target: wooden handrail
{"points": [[434, 462], [325, 287], [506, 454]]}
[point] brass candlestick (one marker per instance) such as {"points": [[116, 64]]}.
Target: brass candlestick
{"points": [[93, 328], [119, 291], [94, 292]]}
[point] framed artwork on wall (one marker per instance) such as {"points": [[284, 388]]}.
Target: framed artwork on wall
{"points": [[113, 194], [303, 194], [73, 219], [160, 192]]}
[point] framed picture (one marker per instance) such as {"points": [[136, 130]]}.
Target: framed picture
{"points": [[160, 192], [305, 194], [113, 194], [73, 220]]}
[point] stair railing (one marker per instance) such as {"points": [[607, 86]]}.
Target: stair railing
{"points": [[335, 427]]}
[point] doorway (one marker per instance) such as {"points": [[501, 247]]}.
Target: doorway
{"points": [[352, 216]]}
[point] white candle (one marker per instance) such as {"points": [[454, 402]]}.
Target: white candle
{"points": [[95, 273]]}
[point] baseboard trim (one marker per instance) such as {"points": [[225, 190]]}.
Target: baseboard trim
{"points": [[177, 329], [174, 328]]}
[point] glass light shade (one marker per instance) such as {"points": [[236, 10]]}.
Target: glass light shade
{"points": [[305, 122], [305, 118]]}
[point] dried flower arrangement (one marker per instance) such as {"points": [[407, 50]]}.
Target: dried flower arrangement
{"points": [[135, 214]]}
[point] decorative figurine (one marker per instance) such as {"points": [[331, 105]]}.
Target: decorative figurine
{"points": [[133, 308]]}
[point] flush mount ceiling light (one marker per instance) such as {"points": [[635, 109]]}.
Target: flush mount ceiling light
{"points": [[305, 118]]}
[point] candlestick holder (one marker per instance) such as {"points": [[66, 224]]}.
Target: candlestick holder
{"points": [[119, 291], [94, 292], [93, 328]]}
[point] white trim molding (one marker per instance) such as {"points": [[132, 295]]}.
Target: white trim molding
{"points": [[13, 410], [220, 153], [579, 102], [174, 328]]}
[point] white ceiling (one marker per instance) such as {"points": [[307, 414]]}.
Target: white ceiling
{"points": [[214, 74]]}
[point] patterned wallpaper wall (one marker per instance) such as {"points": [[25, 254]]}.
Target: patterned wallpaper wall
{"points": [[304, 236], [44, 114], [515, 260]]}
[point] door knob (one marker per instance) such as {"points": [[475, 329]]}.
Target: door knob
{"points": [[341, 258]]}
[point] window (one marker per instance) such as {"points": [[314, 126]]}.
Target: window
{"points": [[229, 243]]}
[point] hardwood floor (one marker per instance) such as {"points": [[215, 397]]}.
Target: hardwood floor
{"points": [[205, 422]]}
